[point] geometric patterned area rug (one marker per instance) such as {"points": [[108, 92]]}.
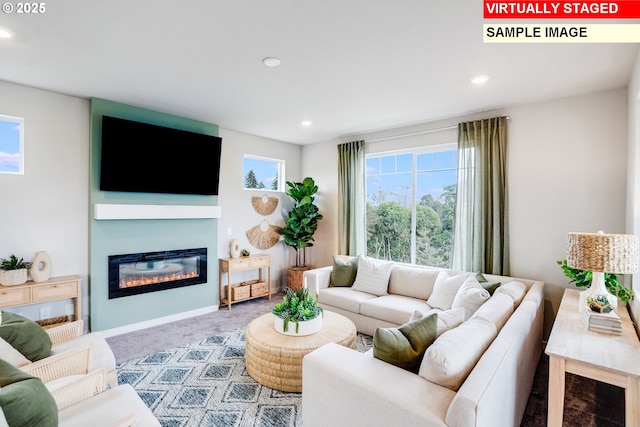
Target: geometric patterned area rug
{"points": [[205, 384]]}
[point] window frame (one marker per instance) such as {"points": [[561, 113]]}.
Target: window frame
{"points": [[19, 121], [415, 151], [280, 172]]}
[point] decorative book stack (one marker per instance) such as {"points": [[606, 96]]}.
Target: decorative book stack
{"points": [[608, 323]]}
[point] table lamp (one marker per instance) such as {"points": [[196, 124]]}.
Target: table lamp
{"points": [[602, 253]]}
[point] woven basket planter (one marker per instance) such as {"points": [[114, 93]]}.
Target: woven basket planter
{"points": [[294, 277]]}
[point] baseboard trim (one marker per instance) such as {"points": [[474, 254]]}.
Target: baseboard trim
{"points": [[156, 322]]}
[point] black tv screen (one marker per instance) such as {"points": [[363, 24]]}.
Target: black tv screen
{"points": [[139, 157]]}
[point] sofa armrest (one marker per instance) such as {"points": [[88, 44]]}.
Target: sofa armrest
{"points": [[80, 389], [71, 362], [343, 387], [65, 332], [318, 278]]}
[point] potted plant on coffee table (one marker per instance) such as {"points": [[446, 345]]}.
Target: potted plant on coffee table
{"points": [[301, 308], [300, 226], [13, 271]]}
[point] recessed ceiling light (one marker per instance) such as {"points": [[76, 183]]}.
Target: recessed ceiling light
{"points": [[306, 123], [5, 33], [479, 79], [271, 62]]}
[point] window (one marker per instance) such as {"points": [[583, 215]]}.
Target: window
{"points": [[11, 145], [263, 173], [410, 205]]}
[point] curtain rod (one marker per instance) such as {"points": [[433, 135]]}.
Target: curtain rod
{"points": [[421, 132]]}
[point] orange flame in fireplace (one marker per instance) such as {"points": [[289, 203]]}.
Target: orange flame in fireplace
{"points": [[130, 283]]}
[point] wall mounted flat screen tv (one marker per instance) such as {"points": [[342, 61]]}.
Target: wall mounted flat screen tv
{"points": [[144, 158]]}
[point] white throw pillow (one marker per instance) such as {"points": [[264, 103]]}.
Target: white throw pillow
{"points": [[470, 297], [372, 276], [451, 357], [11, 355], [446, 319], [445, 290], [515, 290]]}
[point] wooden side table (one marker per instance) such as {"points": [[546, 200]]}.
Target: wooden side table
{"points": [[258, 262], [611, 359]]}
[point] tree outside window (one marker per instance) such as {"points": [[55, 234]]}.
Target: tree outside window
{"points": [[262, 173]]}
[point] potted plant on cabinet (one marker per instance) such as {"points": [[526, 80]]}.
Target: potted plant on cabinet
{"points": [[13, 271], [300, 308], [300, 226]]}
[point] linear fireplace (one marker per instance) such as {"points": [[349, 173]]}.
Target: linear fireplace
{"points": [[133, 274]]}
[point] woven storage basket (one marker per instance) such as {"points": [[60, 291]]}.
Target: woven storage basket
{"points": [[238, 291], [258, 288]]}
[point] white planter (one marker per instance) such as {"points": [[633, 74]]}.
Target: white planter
{"points": [[306, 327], [13, 277]]}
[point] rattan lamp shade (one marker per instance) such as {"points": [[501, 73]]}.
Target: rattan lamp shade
{"points": [[606, 253]]}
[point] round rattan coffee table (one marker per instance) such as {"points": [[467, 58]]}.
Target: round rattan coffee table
{"points": [[275, 360]]}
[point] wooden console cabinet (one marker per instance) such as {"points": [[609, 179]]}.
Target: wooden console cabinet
{"points": [[56, 288], [258, 262]]}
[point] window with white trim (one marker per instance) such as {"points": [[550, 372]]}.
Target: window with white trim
{"points": [[263, 173]]}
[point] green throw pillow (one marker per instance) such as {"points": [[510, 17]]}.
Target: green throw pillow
{"points": [[26, 336], [405, 346], [344, 272], [489, 286], [25, 400]]}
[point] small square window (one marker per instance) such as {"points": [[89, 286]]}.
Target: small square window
{"points": [[263, 173], [11, 145]]}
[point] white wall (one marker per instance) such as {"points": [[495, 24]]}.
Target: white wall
{"points": [[47, 207], [633, 177], [566, 172], [238, 215]]}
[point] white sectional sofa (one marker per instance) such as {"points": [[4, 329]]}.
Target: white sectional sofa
{"points": [[478, 374]]}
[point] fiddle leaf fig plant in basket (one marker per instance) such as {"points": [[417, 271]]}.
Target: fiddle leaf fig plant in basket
{"points": [[13, 271], [301, 308]]}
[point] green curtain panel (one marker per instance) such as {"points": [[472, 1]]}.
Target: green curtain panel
{"points": [[351, 198], [481, 235]]}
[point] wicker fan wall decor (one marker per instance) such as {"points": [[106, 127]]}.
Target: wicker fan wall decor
{"points": [[263, 235], [264, 205]]}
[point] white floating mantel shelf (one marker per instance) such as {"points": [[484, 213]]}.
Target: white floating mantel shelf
{"points": [[114, 211]]}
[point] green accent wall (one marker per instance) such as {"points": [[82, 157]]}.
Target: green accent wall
{"points": [[114, 237]]}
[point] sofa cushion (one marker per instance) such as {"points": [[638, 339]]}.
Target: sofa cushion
{"points": [[404, 346], [343, 272], [416, 282], [446, 319], [489, 286], [497, 310], [445, 289], [392, 308], [372, 276], [344, 298], [450, 359], [26, 336], [11, 355], [25, 401], [516, 290], [470, 297], [101, 355]]}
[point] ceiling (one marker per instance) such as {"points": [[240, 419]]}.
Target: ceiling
{"points": [[350, 67]]}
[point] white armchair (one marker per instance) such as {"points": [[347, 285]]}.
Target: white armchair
{"points": [[67, 337], [83, 397]]}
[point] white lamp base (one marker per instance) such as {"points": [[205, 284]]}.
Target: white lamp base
{"points": [[597, 288]]}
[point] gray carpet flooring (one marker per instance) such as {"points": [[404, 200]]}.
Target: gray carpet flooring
{"points": [[588, 403]]}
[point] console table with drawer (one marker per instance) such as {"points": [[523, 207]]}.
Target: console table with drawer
{"points": [[56, 288], [245, 290]]}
